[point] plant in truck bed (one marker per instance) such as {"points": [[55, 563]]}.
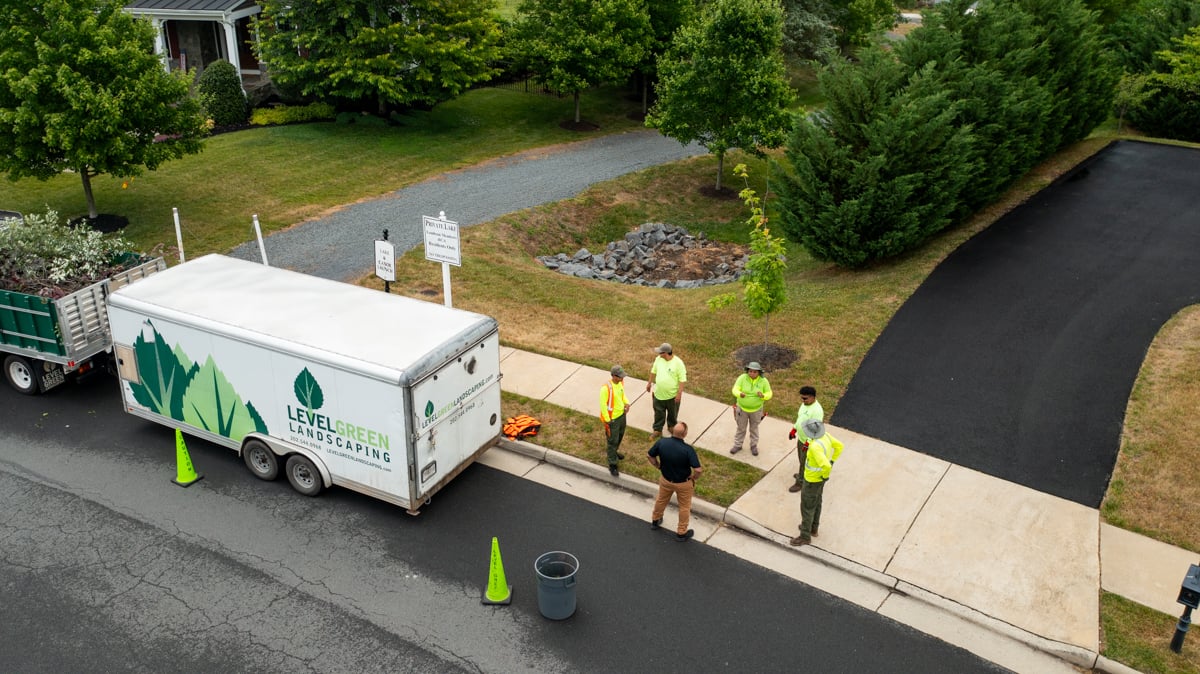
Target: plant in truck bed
{"points": [[42, 256]]}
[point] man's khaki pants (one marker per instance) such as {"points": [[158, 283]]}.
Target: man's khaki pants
{"points": [[683, 492]]}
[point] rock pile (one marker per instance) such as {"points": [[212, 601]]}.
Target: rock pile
{"points": [[658, 255]]}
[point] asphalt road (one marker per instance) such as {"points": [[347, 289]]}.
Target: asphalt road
{"points": [[1018, 354], [105, 565], [340, 245]]}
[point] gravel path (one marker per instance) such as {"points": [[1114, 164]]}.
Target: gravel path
{"points": [[341, 245]]}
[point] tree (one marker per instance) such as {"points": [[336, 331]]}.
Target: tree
{"points": [[666, 17], [416, 52], [723, 82], [808, 30], [880, 169], [571, 45], [81, 89], [857, 20], [1184, 63], [764, 288], [1133, 90]]}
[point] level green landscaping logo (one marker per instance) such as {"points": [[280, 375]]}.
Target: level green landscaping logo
{"points": [[304, 421], [172, 385]]}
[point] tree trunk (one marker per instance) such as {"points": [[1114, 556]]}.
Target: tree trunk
{"points": [[576, 107], [86, 176], [766, 332], [645, 94], [720, 168]]}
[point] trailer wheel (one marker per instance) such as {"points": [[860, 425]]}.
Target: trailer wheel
{"points": [[20, 375], [303, 475], [261, 460]]}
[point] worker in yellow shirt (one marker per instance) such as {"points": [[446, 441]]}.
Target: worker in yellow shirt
{"points": [[668, 375], [750, 393], [613, 404]]}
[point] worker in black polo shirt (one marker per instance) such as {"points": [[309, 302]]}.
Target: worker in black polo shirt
{"points": [[680, 467]]}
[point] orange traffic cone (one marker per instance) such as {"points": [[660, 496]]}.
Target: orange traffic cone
{"points": [[185, 474], [498, 590]]}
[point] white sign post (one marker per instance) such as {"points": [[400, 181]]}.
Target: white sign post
{"points": [[385, 261], [442, 245]]}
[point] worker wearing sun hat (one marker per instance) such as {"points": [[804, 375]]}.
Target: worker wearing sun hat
{"points": [[823, 451], [751, 391]]}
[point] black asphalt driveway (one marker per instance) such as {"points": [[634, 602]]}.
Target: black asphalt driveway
{"points": [[1017, 356]]}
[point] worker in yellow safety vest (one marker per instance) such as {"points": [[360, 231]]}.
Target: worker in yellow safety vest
{"points": [[613, 404], [823, 451]]}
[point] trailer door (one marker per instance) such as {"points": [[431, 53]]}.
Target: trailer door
{"points": [[456, 412]]}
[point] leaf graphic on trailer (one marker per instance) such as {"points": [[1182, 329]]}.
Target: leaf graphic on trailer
{"points": [[163, 376], [259, 424], [210, 402], [308, 391]]}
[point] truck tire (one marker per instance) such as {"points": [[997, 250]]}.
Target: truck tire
{"points": [[21, 375], [303, 475], [261, 461]]}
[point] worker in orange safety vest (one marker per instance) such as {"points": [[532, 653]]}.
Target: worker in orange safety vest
{"points": [[613, 404]]}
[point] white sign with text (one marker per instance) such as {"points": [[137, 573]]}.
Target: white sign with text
{"points": [[441, 240], [385, 260]]}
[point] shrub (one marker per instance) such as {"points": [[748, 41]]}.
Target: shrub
{"points": [[220, 92], [290, 114], [46, 257]]}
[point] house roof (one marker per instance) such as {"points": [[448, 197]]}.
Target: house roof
{"points": [[147, 6]]}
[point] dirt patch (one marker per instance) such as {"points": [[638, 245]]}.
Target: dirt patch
{"points": [[694, 263], [723, 194], [770, 355]]}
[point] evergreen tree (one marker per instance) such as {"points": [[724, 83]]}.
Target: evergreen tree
{"points": [[880, 169]]}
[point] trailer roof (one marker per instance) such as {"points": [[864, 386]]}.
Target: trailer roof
{"points": [[392, 337]]}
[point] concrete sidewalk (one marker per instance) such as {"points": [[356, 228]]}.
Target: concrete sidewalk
{"points": [[1007, 572]]}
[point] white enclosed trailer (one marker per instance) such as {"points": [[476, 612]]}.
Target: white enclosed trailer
{"points": [[330, 383]]}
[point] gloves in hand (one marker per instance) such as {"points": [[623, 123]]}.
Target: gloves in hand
{"points": [[792, 435]]}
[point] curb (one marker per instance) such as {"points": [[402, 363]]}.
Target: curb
{"points": [[1073, 655]]}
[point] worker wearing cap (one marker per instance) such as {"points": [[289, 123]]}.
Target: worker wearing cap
{"points": [[750, 393], [667, 375], [810, 408], [613, 404], [823, 451]]}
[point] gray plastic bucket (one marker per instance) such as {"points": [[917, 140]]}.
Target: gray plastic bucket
{"points": [[556, 584]]}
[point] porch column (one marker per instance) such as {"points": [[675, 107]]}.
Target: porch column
{"points": [[231, 45], [160, 45]]}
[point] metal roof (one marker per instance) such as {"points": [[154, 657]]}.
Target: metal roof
{"points": [[188, 5]]}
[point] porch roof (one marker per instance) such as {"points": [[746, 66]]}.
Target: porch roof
{"points": [[188, 6]]}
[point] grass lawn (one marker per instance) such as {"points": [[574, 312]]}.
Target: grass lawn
{"points": [[286, 174], [1141, 637]]}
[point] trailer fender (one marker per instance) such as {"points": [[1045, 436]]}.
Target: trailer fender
{"points": [[284, 449]]}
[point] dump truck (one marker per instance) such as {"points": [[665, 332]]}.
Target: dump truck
{"points": [[326, 383], [43, 342]]}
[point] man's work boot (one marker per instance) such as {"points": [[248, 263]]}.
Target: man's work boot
{"points": [[798, 541], [795, 488]]}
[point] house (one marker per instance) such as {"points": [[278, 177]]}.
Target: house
{"points": [[194, 33]]}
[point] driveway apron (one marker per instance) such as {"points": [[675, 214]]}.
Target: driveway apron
{"points": [[1017, 356]]}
